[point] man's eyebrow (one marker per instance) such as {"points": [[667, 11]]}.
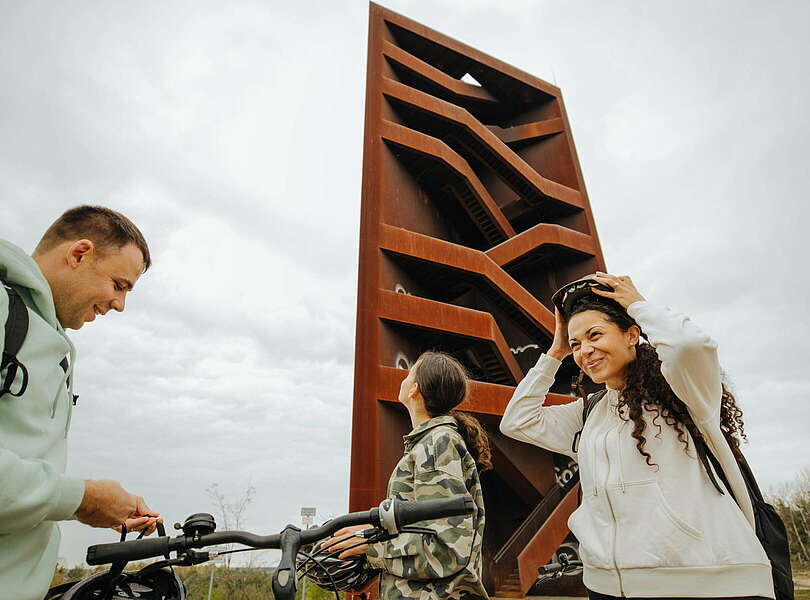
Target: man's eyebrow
{"points": [[127, 283]]}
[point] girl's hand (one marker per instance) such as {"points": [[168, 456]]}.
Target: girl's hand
{"points": [[560, 348], [624, 291], [344, 538]]}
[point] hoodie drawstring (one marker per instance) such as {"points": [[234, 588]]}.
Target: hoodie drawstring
{"points": [[593, 470], [66, 381], [619, 444]]}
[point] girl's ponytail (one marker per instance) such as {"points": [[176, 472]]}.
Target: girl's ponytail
{"points": [[475, 438]]}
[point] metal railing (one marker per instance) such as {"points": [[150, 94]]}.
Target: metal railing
{"points": [[505, 560]]}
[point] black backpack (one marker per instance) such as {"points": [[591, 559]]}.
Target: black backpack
{"points": [[16, 329], [769, 528]]}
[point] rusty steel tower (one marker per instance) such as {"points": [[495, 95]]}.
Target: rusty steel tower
{"points": [[474, 211]]}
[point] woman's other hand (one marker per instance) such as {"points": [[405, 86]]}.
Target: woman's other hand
{"points": [[624, 291], [559, 347], [345, 538]]}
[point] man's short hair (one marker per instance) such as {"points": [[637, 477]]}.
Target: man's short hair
{"points": [[104, 227]]}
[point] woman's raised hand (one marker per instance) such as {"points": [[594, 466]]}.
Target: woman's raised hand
{"points": [[560, 348], [624, 291]]}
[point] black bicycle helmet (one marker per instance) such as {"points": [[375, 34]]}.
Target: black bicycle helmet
{"points": [[331, 573], [156, 583], [565, 297]]}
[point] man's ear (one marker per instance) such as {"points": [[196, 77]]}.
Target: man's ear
{"points": [[414, 391], [78, 252]]}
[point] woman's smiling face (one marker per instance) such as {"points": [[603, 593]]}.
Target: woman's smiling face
{"points": [[600, 347]]}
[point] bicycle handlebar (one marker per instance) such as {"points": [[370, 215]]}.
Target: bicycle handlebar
{"points": [[405, 513], [554, 567]]}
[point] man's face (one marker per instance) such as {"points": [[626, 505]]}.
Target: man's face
{"points": [[94, 284]]}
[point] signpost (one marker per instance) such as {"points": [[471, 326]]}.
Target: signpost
{"points": [[307, 518]]}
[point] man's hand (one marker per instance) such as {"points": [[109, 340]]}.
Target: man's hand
{"points": [[146, 524], [107, 504]]}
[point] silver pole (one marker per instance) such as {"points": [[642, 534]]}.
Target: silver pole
{"points": [[211, 582], [307, 514]]}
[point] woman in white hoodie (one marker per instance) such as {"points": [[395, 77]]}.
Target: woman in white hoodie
{"points": [[651, 523]]}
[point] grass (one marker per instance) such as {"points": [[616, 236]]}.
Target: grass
{"points": [[803, 576]]}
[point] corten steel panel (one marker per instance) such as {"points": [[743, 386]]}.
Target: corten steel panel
{"points": [[474, 211]]}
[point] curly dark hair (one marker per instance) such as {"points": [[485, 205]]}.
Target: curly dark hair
{"points": [[646, 389]]}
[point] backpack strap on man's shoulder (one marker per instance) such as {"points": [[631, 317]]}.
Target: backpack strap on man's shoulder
{"points": [[16, 328], [588, 404]]}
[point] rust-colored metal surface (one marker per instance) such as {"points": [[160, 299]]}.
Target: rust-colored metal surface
{"points": [[540, 549], [474, 211]]}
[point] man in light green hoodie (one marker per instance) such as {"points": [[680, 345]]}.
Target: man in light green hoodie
{"points": [[84, 266]]}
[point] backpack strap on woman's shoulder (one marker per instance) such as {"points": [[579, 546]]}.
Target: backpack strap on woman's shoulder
{"points": [[588, 404]]}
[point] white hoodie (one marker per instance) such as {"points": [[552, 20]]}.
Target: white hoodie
{"points": [[647, 531]]}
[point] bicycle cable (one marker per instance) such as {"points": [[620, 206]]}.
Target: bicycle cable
{"points": [[318, 563]]}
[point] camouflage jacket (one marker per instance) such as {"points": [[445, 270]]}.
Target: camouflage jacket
{"points": [[436, 464]]}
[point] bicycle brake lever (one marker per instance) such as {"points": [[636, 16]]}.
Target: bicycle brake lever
{"points": [[422, 530], [284, 582], [375, 532], [191, 557], [380, 535], [368, 533]]}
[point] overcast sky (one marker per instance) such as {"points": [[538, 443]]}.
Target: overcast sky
{"points": [[231, 133]]}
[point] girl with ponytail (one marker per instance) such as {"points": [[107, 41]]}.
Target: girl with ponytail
{"points": [[651, 523], [443, 454]]}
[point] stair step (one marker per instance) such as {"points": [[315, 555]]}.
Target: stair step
{"points": [[510, 586]]}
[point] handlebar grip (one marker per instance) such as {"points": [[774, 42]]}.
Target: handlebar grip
{"points": [[549, 568], [101, 554], [407, 512]]}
